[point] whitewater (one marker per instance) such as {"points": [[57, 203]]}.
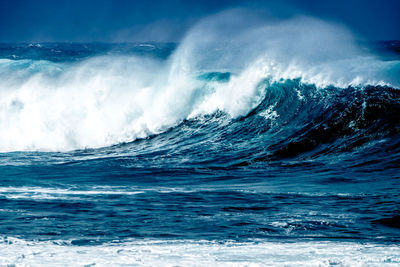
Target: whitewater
{"points": [[119, 98], [251, 142]]}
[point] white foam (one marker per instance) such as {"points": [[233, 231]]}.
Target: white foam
{"points": [[108, 100], [270, 113], [40, 193], [201, 253]]}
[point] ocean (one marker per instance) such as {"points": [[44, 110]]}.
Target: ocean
{"points": [[248, 150]]}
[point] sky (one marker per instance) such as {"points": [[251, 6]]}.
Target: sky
{"points": [[168, 20]]}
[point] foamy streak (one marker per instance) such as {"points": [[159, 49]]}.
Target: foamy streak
{"points": [[41, 193], [201, 253], [38, 193], [108, 100]]}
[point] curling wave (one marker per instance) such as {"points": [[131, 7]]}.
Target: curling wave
{"points": [[304, 77]]}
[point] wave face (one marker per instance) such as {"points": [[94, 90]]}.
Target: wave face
{"points": [[276, 131]]}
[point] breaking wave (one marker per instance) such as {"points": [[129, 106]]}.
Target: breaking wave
{"points": [[303, 78]]}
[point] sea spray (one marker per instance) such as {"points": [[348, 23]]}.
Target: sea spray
{"points": [[107, 100]]}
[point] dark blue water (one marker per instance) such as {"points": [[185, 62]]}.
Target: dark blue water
{"points": [[304, 163]]}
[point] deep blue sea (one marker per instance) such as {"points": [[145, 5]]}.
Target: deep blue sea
{"points": [[202, 152]]}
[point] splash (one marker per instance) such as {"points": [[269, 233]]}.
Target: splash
{"points": [[106, 100]]}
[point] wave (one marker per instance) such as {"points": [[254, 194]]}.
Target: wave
{"points": [[248, 69]]}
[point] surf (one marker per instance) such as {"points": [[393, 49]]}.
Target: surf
{"points": [[104, 100]]}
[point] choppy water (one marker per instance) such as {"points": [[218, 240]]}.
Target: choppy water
{"points": [[200, 152]]}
